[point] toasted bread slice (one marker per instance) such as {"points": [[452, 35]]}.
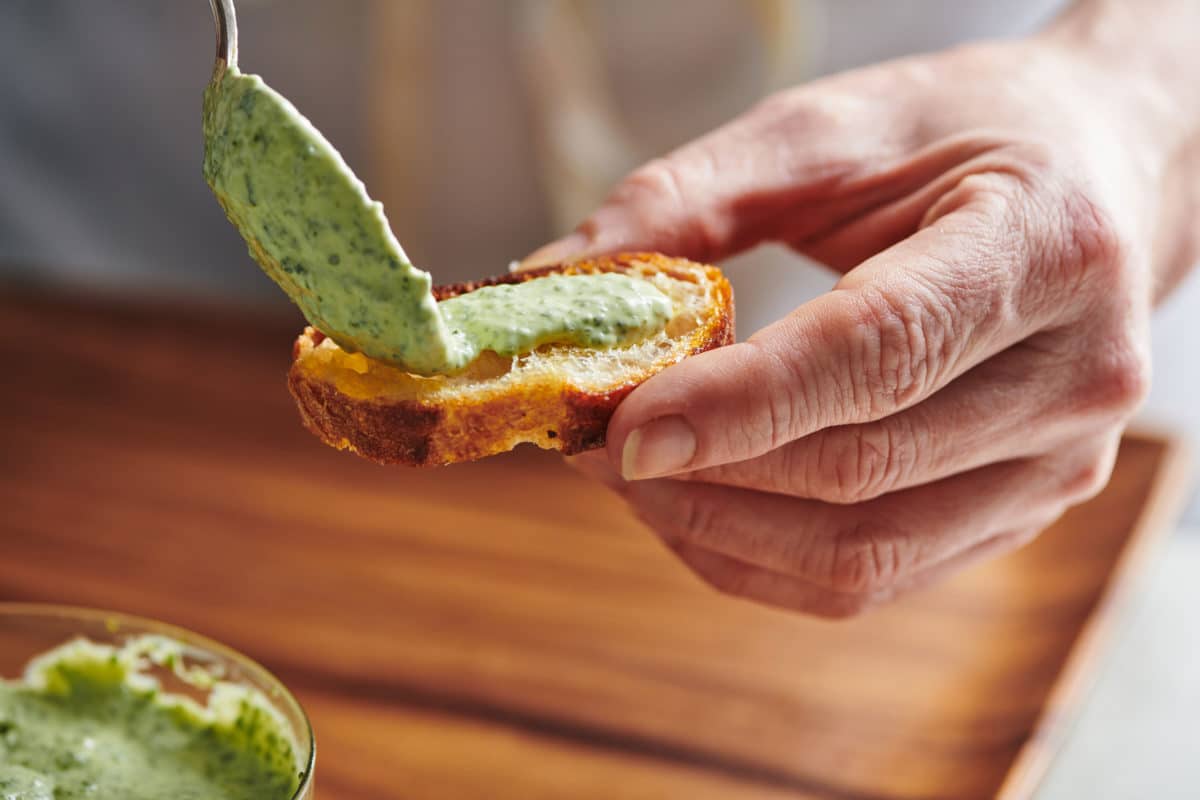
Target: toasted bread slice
{"points": [[558, 397]]}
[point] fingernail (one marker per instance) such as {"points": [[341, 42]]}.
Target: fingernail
{"points": [[556, 252], [659, 447]]}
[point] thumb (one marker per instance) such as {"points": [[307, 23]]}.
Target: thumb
{"points": [[899, 327]]}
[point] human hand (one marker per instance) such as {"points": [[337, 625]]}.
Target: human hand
{"points": [[1004, 216]]}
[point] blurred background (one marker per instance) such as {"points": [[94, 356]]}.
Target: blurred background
{"points": [[486, 127]]}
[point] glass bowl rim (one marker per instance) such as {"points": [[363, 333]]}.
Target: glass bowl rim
{"points": [[187, 637]]}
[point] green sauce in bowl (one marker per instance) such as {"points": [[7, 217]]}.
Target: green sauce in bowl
{"points": [[139, 720]]}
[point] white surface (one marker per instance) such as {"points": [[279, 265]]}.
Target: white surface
{"points": [[1138, 735], [1175, 394]]}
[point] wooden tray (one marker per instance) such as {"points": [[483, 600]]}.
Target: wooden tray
{"points": [[504, 629]]}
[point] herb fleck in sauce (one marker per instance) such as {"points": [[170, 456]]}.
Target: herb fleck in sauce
{"points": [[602, 310], [86, 724], [313, 229]]}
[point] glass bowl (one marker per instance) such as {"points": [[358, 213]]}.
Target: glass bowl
{"points": [[29, 629]]}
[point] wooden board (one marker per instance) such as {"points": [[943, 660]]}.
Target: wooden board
{"points": [[505, 629]]}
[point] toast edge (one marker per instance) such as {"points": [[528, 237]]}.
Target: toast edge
{"points": [[417, 434]]}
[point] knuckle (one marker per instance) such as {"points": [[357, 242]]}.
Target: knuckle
{"points": [[993, 193], [1117, 381], [655, 179], [682, 514], [1084, 249], [658, 193], [1033, 198], [800, 108], [784, 405], [865, 559], [782, 119], [1093, 247], [899, 343], [591, 227], [1029, 159], [696, 514], [858, 464], [1123, 379], [1086, 481]]}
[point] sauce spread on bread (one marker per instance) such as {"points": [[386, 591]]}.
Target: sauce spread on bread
{"points": [[606, 309], [86, 723], [314, 230]]}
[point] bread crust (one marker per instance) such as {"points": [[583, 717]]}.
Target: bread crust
{"points": [[557, 416]]}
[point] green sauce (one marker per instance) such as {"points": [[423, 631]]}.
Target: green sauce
{"points": [[602, 310], [312, 227], [86, 723]]}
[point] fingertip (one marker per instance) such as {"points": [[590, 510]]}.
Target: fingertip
{"points": [[568, 248], [710, 409]]}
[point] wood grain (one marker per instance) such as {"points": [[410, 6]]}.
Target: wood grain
{"points": [[505, 629]]}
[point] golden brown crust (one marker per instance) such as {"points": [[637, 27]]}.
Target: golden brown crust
{"points": [[556, 416]]}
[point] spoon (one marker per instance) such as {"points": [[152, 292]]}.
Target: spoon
{"points": [[225, 17], [309, 223], [312, 227]]}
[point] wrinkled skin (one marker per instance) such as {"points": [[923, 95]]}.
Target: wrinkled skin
{"points": [[1004, 216]]}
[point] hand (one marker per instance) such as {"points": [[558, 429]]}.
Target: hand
{"points": [[1004, 216]]}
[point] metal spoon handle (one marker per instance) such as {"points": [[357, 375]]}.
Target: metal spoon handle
{"points": [[225, 18]]}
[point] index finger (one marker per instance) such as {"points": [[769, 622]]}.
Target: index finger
{"points": [[798, 163]]}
